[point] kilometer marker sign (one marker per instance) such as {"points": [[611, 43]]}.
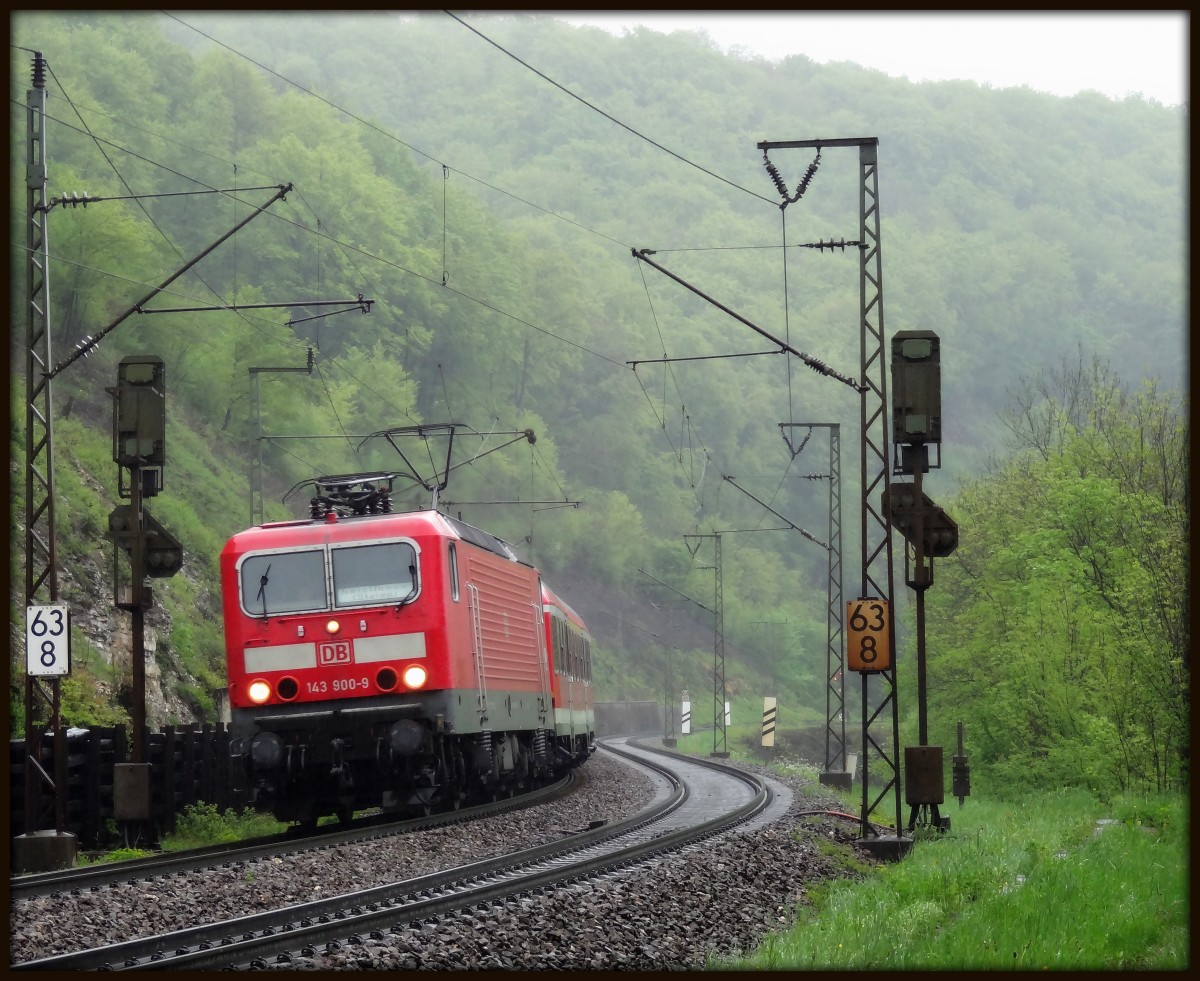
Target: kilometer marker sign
{"points": [[868, 641], [48, 640]]}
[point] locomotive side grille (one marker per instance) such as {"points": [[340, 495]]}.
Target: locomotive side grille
{"points": [[509, 633]]}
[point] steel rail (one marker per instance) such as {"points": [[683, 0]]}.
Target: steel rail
{"points": [[278, 933], [513, 875], [93, 877]]}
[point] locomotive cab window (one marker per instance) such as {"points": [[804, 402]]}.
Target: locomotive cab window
{"points": [[453, 572], [283, 582], [371, 574]]}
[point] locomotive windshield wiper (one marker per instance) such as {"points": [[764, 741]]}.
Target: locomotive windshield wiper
{"points": [[262, 589], [412, 593]]}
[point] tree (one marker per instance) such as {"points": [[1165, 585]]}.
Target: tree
{"points": [[1060, 631]]}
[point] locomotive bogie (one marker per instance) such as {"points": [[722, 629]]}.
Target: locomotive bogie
{"points": [[402, 765]]}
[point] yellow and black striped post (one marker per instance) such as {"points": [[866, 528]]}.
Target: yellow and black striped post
{"points": [[768, 725]]}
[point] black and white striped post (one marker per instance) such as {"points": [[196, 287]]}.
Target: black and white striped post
{"points": [[768, 722], [685, 715]]}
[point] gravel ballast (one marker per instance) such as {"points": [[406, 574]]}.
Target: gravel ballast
{"points": [[714, 900]]}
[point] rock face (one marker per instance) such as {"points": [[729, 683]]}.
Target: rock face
{"points": [[163, 707], [87, 589]]}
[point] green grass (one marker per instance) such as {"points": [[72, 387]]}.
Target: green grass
{"points": [[1032, 884], [201, 824], [116, 855], [196, 826]]}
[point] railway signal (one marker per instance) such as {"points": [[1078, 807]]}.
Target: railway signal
{"points": [[916, 398], [140, 419], [162, 553], [916, 429], [938, 531], [139, 446]]}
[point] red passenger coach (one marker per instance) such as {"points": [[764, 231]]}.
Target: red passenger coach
{"points": [[570, 647], [407, 661]]}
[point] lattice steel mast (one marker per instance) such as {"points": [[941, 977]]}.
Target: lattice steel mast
{"points": [[876, 542], [41, 559]]}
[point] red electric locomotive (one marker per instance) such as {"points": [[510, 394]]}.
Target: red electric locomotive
{"points": [[407, 661]]}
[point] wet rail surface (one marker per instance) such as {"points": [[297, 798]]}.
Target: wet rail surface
{"points": [[174, 863], [693, 799]]}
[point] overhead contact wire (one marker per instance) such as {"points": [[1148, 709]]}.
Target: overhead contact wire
{"points": [[610, 118]]}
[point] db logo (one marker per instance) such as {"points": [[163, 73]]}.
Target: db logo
{"points": [[334, 652]]}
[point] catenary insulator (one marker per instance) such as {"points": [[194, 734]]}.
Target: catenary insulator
{"points": [[774, 174], [808, 176]]}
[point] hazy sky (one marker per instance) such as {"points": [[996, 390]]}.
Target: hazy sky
{"points": [[1116, 53]]}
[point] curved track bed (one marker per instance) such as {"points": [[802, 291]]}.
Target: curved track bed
{"points": [[695, 800]]}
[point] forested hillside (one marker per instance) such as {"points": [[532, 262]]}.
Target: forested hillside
{"points": [[485, 190]]}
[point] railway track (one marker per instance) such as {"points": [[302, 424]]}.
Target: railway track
{"points": [[94, 877], [700, 799]]}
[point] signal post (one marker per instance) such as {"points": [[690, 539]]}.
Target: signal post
{"points": [[139, 446], [931, 533]]}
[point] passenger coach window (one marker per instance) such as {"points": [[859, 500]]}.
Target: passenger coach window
{"points": [[284, 582], [367, 574]]}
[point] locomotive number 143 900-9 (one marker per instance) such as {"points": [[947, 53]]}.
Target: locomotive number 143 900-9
{"points": [[338, 685]]}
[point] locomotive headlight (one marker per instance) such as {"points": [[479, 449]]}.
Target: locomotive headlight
{"points": [[332, 627], [259, 691], [414, 676]]}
